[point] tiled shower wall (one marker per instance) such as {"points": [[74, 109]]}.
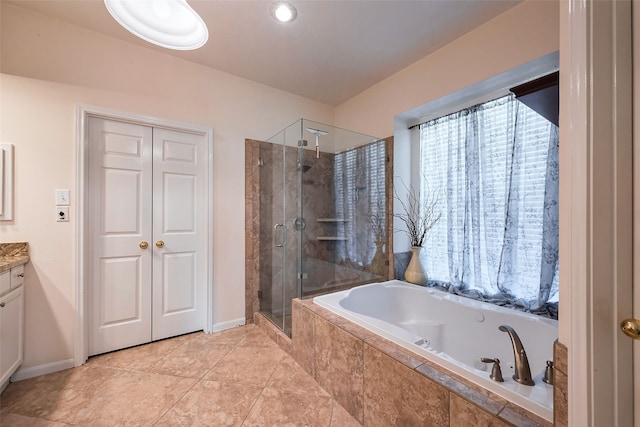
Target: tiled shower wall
{"points": [[263, 178], [264, 165]]}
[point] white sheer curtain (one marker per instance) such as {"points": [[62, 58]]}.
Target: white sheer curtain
{"points": [[496, 166]]}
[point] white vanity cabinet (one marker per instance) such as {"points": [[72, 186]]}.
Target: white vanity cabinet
{"points": [[11, 322]]}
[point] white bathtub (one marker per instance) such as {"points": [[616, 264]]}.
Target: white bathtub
{"points": [[455, 332]]}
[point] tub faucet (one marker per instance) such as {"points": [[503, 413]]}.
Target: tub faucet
{"points": [[522, 370]]}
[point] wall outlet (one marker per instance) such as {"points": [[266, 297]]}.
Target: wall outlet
{"points": [[62, 213]]}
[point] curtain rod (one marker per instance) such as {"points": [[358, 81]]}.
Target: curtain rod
{"points": [[492, 97]]}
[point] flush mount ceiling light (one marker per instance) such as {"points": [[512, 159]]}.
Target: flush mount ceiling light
{"points": [[283, 12], [168, 23]]}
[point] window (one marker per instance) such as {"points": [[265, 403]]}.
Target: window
{"points": [[495, 166]]}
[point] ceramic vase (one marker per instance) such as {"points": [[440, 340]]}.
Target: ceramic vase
{"points": [[415, 272]]}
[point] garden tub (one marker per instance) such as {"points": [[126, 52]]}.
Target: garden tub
{"points": [[456, 333]]}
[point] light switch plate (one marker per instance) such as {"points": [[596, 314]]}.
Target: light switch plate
{"points": [[62, 197]]}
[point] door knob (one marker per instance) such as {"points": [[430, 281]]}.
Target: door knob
{"points": [[160, 244], [631, 327], [144, 245]]}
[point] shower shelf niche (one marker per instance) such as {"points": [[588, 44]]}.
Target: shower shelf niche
{"points": [[337, 222], [332, 220]]}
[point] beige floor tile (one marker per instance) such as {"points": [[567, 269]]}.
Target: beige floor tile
{"points": [[257, 338], [246, 365], [36, 397], [100, 396], [289, 376], [15, 420], [281, 408], [341, 418], [212, 403], [192, 359], [139, 357], [248, 380]]}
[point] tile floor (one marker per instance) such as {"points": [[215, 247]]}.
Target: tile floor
{"points": [[238, 377]]}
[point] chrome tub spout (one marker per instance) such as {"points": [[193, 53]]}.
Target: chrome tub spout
{"points": [[522, 370]]}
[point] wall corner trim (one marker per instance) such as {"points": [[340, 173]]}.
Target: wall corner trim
{"points": [[47, 368], [229, 324]]}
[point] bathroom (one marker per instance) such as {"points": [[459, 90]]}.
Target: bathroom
{"points": [[48, 84], [283, 264]]}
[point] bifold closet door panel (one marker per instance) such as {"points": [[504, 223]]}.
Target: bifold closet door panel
{"points": [[179, 207], [120, 229]]}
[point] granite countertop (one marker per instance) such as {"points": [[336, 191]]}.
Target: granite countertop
{"points": [[13, 255]]}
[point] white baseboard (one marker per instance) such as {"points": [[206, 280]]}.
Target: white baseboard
{"points": [[36, 371], [229, 324]]}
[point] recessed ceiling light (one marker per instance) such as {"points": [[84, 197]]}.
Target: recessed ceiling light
{"points": [[284, 12], [168, 23]]}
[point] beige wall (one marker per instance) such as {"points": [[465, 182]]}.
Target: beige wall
{"points": [[61, 65], [525, 32]]}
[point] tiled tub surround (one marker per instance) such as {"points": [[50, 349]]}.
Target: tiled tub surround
{"points": [[380, 383], [13, 255], [560, 385], [455, 333]]}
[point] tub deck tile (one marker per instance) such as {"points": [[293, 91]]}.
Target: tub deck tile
{"points": [[516, 416], [339, 368], [480, 397], [395, 395], [302, 332], [345, 324], [396, 352], [464, 414], [560, 357], [560, 399]]}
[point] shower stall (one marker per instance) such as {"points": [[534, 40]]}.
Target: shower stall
{"points": [[318, 206]]}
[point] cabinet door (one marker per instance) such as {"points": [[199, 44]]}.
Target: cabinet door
{"points": [[5, 281], [17, 276], [11, 333]]}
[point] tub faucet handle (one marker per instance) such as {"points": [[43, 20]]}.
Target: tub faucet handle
{"points": [[496, 372], [548, 373]]}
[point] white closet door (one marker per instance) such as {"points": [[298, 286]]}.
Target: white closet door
{"points": [[147, 216], [179, 212], [120, 203]]}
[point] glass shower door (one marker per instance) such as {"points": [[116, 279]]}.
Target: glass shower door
{"points": [[279, 238], [273, 232]]}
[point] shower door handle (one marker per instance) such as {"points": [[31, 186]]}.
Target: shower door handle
{"points": [[275, 235]]}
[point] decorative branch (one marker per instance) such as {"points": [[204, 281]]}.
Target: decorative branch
{"points": [[419, 215], [378, 224]]}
